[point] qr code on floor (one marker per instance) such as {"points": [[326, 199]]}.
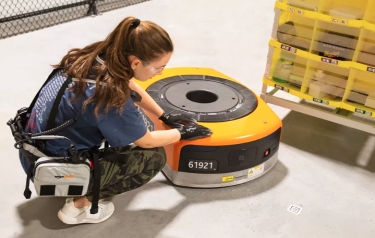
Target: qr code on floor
{"points": [[295, 209]]}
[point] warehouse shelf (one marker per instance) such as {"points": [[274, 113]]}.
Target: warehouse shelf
{"points": [[323, 52]]}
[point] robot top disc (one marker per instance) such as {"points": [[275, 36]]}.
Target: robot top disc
{"points": [[205, 98]]}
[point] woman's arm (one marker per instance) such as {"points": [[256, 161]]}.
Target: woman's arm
{"points": [[158, 138], [147, 103]]}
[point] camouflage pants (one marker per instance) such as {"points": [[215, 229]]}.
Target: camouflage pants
{"points": [[139, 166]]}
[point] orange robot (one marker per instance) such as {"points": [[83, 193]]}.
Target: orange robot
{"points": [[246, 132]]}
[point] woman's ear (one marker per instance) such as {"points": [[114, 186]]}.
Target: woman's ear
{"points": [[134, 62]]}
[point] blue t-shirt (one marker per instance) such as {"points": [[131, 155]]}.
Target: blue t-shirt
{"points": [[118, 128]]}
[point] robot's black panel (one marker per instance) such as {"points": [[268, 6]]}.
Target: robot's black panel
{"points": [[231, 158]]}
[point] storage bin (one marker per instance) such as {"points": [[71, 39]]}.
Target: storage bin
{"points": [[335, 41], [348, 9], [295, 30]]}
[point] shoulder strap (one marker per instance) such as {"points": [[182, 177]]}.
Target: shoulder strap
{"points": [[51, 119], [56, 103]]}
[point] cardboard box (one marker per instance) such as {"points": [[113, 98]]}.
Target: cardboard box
{"points": [[298, 70], [364, 86], [370, 102], [347, 12], [335, 45], [357, 97], [334, 81], [296, 36], [345, 40], [318, 89], [295, 80], [336, 92], [294, 41], [369, 47], [366, 58], [328, 78], [306, 4]]}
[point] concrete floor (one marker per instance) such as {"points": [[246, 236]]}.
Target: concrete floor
{"points": [[325, 168]]}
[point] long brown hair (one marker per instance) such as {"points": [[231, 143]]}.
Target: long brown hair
{"points": [[147, 41]]}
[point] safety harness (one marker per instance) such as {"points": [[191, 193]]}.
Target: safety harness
{"points": [[32, 146]]}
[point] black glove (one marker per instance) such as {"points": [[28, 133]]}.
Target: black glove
{"points": [[193, 131], [176, 120]]}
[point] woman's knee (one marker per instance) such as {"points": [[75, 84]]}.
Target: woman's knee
{"points": [[157, 158], [153, 158]]}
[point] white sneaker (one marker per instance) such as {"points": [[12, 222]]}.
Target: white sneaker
{"points": [[69, 214]]}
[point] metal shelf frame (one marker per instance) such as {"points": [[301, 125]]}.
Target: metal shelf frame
{"points": [[337, 115]]}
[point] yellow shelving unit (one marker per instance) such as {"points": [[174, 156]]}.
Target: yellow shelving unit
{"points": [[362, 85], [323, 52]]}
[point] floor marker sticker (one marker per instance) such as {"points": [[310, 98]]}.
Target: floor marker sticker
{"points": [[295, 209]]}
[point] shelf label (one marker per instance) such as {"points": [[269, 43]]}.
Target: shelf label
{"points": [[296, 10], [363, 112], [339, 21], [329, 61], [371, 69], [282, 88], [320, 101], [288, 48]]}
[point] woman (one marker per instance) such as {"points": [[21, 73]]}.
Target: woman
{"points": [[104, 109]]}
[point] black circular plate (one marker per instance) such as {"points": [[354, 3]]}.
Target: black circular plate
{"points": [[205, 98]]}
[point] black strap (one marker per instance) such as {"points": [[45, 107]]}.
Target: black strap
{"points": [[115, 157], [96, 187], [27, 192], [119, 158], [56, 103]]}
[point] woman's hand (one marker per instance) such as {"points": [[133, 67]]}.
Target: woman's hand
{"points": [[176, 120], [194, 131]]}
